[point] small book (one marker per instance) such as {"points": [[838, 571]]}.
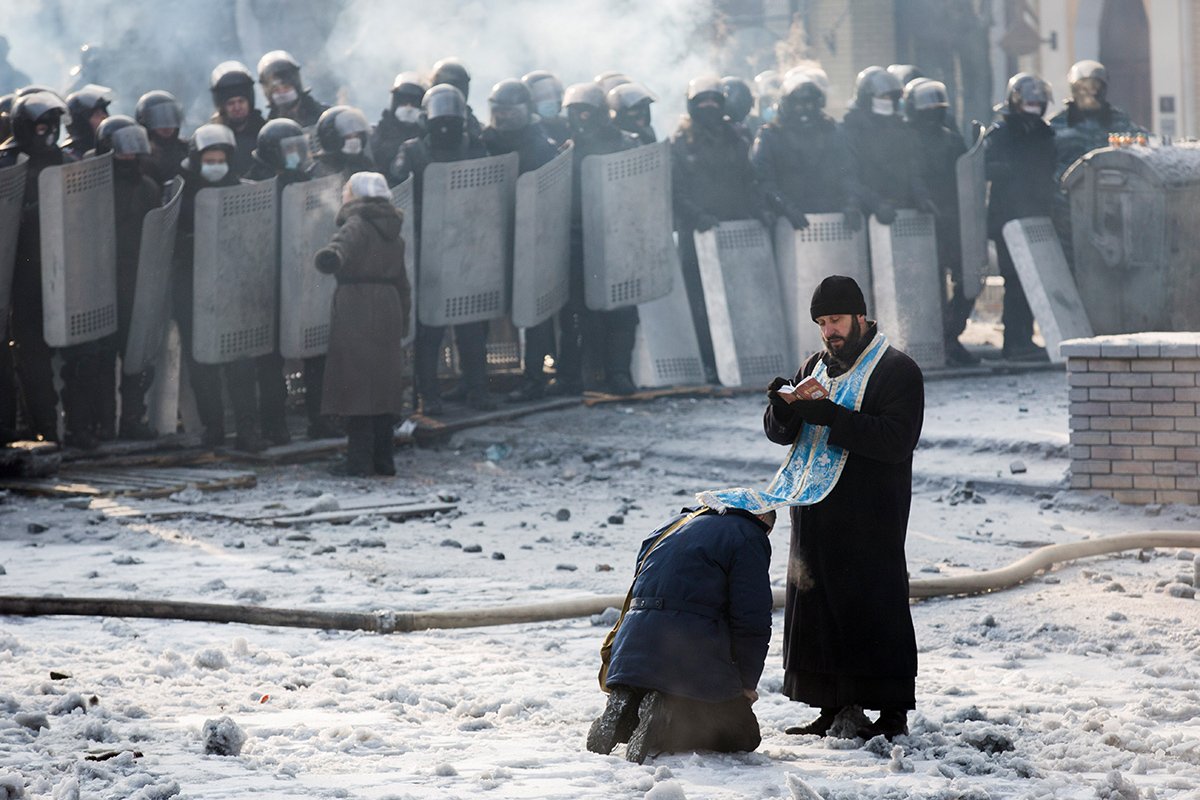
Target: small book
{"points": [[808, 389]]}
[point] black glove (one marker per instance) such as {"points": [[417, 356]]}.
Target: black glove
{"points": [[885, 213], [328, 260], [797, 218], [706, 222], [779, 405], [816, 412], [852, 219]]}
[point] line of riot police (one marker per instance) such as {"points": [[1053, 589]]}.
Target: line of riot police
{"points": [[559, 215]]}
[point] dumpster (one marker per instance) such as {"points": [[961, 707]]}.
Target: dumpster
{"points": [[1135, 219]]}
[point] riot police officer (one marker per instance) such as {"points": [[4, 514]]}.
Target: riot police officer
{"points": [[87, 107], [161, 115], [35, 118], [512, 130], [739, 102], [342, 134], [454, 72], [232, 88], [446, 139], [279, 74], [546, 93], [800, 158], [1082, 126], [134, 195], [883, 155], [604, 337], [400, 122], [208, 164], [610, 79], [1019, 156], [712, 181], [767, 86], [926, 106], [629, 103]]}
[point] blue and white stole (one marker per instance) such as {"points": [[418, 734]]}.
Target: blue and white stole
{"points": [[813, 465]]}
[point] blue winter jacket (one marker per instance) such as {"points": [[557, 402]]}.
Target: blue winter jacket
{"points": [[700, 620]]}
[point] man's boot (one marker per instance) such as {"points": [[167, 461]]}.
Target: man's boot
{"points": [[892, 722], [651, 728], [616, 723], [818, 727]]}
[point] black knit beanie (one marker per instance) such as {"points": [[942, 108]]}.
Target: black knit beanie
{"points": [[837, 294]]}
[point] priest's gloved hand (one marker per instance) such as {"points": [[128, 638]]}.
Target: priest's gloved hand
{"points": [[778, 404], [816, 412]]}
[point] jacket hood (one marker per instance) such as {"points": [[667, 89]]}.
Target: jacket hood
{"points": [[377, 211]]}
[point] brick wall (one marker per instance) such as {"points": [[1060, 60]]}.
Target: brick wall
{"points": [[1135, 434]]}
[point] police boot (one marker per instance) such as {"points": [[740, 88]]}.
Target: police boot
{"points": [[77, 403], [617, 722], [103, 376], [618, 351], [358, 446], [132, 426], [383, 446], [241, 377]]}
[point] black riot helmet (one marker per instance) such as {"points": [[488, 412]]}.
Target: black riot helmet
{"points": [[37, 87], [282, 145], [510, 104], [452, 71], [877, 84], [84, 102], [1027, 93], [407, 90], [739, 97], [629, 104], [208, 137], [278, 67], [337, 124], [587, 108], [706, 100], [122, 136], [905, 73], [925, 102], [1089, 84], [445, 111], [158, 109], [802, 97], [545, 91], [34, 109], [610, 80], [231, 79]]}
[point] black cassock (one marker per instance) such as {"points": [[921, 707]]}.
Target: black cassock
{"points": [[848, 634]]}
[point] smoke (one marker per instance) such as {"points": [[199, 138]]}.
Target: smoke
{"points": [[352, 49]]}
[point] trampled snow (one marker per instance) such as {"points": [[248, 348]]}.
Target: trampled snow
{"points": [[1082, 683]]}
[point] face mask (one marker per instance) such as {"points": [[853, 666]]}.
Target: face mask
{"points": [[883, 106], [291, 161], [708, 116], [285, 98], [409, 115], [768, 114], [547, 109], [213, 172], [352, 147], [1032, 108]]}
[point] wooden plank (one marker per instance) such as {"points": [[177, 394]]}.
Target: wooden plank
{"points": [[429, 429], [595, 398], [389, 512]]}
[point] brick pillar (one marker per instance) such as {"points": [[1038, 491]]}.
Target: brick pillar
{"points": [[1134, 424]]}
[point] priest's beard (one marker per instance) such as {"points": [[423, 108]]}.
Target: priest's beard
{"points": [[848, 349]]}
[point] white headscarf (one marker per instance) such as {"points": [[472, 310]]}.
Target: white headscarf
{"points": [[369, 184]]}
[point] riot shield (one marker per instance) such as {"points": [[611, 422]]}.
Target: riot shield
{"points": [[79, 251], [542, 241], [745, 311], [12, 197], [466, 240], [234, 284], [665, 352], [972, 218], [152, 289], [908, 286], [1046, 278], [402, 198], [306, 224], [805, 257], [628, 251]]}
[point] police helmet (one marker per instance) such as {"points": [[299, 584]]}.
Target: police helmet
{"points": [[444, 100], [511, 105], [31, 110], [282, 145], [282, 66], [231, 79], [122, 136], [338, 122], [875, 82], [739, 98], [158, 109], [452, 71]]}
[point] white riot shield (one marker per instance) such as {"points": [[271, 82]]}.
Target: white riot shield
{"points": [[306, 224], [79, 251], [466, 240], [542, 241], [12, 197], [629, 253], [972, 218], [234, 285], [908, 286], [402, 198], [805, 257], [1046, 278], [665, 352], [152, 290], [745, 311]]}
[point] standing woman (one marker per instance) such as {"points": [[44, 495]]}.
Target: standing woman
{"points": [[364, 369]]}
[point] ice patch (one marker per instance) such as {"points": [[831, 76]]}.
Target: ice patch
{"points": [[210, 658], [667, 790], [222, 737]]}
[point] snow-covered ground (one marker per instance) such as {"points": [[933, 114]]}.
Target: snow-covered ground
{"points": [[1083, 683]]}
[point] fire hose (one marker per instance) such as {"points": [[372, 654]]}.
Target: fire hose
{"points": [[407, 621]]}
